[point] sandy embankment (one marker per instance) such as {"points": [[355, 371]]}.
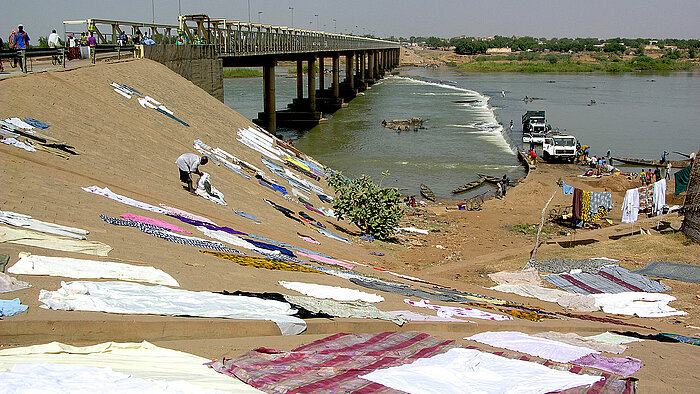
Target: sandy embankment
{"points": [[132, 150]]}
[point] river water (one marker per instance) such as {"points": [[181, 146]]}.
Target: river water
{"points": [[634, 115]]}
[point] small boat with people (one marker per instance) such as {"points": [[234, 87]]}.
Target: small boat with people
{"points": [[427, 193], [469, 186]]}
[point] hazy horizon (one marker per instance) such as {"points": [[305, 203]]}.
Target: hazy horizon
{"points": [[446, 19]]}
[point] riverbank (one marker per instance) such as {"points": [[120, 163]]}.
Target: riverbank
{"points": [[131, 150]]}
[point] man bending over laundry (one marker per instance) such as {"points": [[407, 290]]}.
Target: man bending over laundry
{"points": [[188, 164]]}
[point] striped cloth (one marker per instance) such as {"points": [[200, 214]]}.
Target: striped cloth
{"points": [[331, 364], [611, 279]]}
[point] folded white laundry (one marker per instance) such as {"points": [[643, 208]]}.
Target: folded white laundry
{"points": [[471, 371], [29, 264], [135, 298], [26, 221], [332, 292], [637, 303], [207, 190]]}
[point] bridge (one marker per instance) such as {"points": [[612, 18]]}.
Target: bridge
{"points": [[211, 44]]}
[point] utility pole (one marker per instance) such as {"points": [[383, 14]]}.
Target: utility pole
{"points": [[153, 11], [335, 28], [259, 13], [317, 28], [292, 9], [248, 11], [179, 12]]}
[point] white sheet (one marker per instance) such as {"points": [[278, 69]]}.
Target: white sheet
{"points": [[19, 123], [471, 371], [21, 236], [534, 346], [124, 200], [637, 303], [26, 221], [134, 298], [331, 292], [29, 264], [630, 206], [215, 195], [575, 302], [235, 241], [60, 378], [615, 339], [140, 360]]}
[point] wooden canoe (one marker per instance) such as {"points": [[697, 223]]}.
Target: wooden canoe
{"points": [[469, 186], [427, 193], [490, 179], [651, 163]]}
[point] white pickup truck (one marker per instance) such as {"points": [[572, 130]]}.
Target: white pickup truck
{"points": [[559, 147]]}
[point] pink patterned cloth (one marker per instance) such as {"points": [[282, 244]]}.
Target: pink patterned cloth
{"points": [[326, 260], [185, 214], [154, 222], [449, 311], [622, 366]]}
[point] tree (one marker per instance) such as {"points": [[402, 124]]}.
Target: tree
{"points": [[691, 52], [469, 46], [375, 210]]}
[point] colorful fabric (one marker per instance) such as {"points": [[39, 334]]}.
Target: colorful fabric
{"points": [[333, 236], [414, 316], [676, 271], [286, 245], [621, 366], [567, 189], [682, 338], [170, 236], [177, 213], [208, 225], [8, 283], [604, 320], [36, 123], [534, 346], [612, 279], [247, 216], [577, 204], [327, 260], [308, 239], [361, 310], [331, 363], [519, 313], [472, 371], [599, 204], [682, 178], [155, 222], [559, 265], [262, 263], [450, 311], [11, 307]]}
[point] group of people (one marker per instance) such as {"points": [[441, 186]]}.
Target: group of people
{"points": [[18, 40], [648, 177]]}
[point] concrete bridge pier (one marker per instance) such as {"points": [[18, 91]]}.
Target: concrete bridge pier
{"points": [[370, 66], [328, 100], [269, 96], [347, 87]]}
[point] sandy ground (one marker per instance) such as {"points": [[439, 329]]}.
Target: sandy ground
{"points": [[132, 151]]}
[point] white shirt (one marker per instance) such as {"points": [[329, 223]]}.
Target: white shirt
{"points": [[188, 162], [53, 41]]}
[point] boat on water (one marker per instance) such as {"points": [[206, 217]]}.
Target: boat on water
{"points": [[427, 193], [651, 163], [489, 178], [469, 186]]}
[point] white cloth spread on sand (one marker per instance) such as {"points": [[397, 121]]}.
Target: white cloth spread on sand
{"points": [[206, 190], [8, 283], [26, 221], [413, 316], [19, 144], [412, 230], [330, 292], [449, 311], [616, 339], [58, 378], [630, 206], [31, 238], [134, 298], [577, 340], [659, 196], [124, 200], [575, 302], [637, 304], [471, 371], [526, 276], [19, 123], [81, 269], [538, 347], [140, 360]]}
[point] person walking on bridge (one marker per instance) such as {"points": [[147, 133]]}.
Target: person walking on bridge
{"points": [[54, 41], [188, 164]]}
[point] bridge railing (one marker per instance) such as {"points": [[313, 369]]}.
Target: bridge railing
{"points": [[230, 37]]}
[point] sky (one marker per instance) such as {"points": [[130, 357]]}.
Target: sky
{"points": [[400, 18]]}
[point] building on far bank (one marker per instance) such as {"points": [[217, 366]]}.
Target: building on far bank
{"points": [[494, 51]]}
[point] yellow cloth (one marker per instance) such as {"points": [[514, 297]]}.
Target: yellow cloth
{"points": [[55, 242], [520, 314], [141, 360], [262, 263]]}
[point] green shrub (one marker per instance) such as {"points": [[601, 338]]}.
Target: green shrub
{"points": [[375, 210]]}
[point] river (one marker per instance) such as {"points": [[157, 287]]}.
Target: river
{"points": [[633, 115]]}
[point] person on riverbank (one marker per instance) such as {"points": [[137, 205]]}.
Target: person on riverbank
{"points": [[188, 164], [649, 177], [511, 125], [643, 177], [657, 174], [663, 157], [504, 184], [533, 157], [54, 41], [92, 42], [668, 170]]}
